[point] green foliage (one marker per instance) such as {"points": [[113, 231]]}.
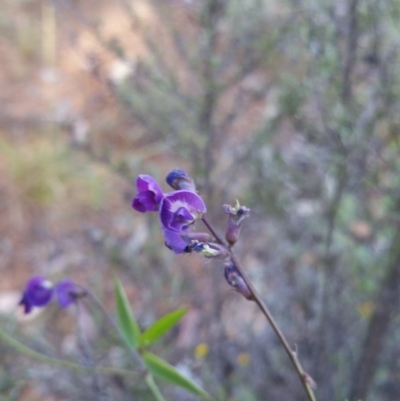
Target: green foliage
{"points": [[130, 328], [126, 321], [161, 326], [134, 339], [168, 373]]}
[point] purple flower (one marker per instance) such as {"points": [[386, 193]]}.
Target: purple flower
{"points": [[179, 209], [38, 292], [67, 292], [178, 179], [150, 194]]}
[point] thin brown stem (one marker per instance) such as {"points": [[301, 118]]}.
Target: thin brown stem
{"points": [[304, 378]]}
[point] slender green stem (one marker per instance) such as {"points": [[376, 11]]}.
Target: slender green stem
{"points": [[257, 299], [29, 352], [153, 387], [134, 354], [23, 349]]}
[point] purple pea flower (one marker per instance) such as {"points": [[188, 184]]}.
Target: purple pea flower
{"points": [[178, 211], [150, 194], [38, 292], [67, 292]]}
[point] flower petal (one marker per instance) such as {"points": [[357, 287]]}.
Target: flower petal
{"points": [[148, 183], [150, 194], [26, 303], [174, 241], [66, 291], [178, 209], [38, 292], [145, 202]]}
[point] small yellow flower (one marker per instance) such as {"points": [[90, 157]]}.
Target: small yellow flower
{"points": [[201, 351], [243, 359]]}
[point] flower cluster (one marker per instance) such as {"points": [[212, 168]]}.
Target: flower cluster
{"points": [[39, 292], [178, 211]]}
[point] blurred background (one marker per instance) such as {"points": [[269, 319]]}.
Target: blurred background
{"points": [[290, 106]]}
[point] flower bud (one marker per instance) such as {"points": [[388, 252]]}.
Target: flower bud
{"points": [[236, 216], [178, 179], [235, 280]]}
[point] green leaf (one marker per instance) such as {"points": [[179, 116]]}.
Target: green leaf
{"points": [[126, 321], [167, 372], [161, 326]]}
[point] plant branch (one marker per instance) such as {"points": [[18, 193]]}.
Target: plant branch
{"points": [[29, 352], [386, 303], [133, 353], [351, 51], [304, 378]]}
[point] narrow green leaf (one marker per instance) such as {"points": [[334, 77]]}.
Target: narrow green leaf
{"points": [[167, 372], [126, 321], [161, 326]]}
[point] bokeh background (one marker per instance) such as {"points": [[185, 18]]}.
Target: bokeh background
{"points": [[290, 106]]}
